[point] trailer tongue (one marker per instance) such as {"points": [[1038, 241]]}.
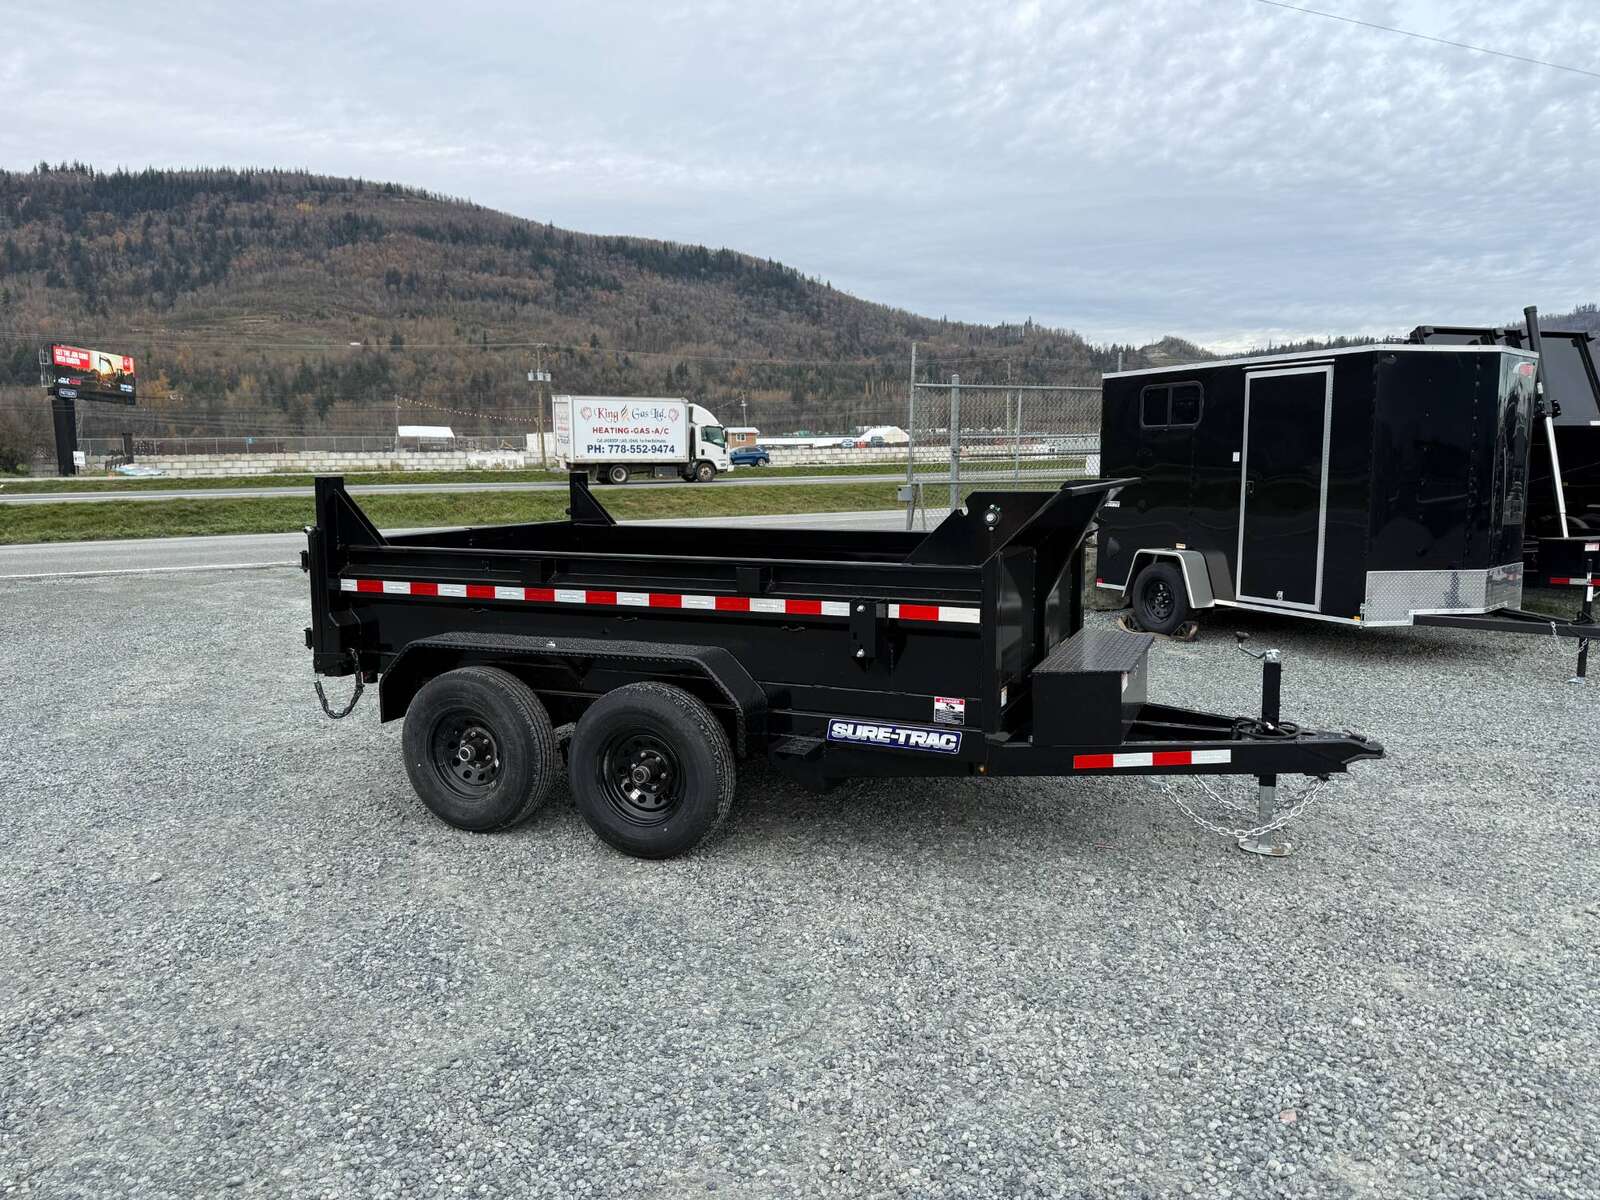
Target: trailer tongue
{"points": [[832, 654]]}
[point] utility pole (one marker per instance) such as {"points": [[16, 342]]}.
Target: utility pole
{"points": [[539, 377]]}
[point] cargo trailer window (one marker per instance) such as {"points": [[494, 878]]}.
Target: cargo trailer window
{"points": [[1168, 405], [1185, 404]]}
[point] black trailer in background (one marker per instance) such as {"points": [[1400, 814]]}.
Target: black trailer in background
{"points": [[1571, 393], [1374, 485]]}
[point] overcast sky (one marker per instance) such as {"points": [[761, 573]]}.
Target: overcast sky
{"points": [[1218, 169]]}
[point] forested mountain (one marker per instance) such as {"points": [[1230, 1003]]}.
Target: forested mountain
{"points": [[278, 301]]}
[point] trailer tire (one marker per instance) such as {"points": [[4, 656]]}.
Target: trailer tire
{"points": [[616, 473], [704, 472], [651, 770], [480, 749], [1160, 599]]}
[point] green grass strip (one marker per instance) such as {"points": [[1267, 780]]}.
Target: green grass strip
{"points": [[68, 522]]}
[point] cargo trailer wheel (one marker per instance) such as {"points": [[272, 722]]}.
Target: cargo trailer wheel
{"points": [[617, 474], [1160, 600], [479, 749], [704, 472], [651, 770]]}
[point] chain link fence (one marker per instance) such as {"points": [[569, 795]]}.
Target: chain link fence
{"points": [[970, 436]]}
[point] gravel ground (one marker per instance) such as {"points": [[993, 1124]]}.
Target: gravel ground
{"points": [[238, 954]]}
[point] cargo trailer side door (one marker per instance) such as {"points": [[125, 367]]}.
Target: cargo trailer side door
{"points": [[1283, 485]]}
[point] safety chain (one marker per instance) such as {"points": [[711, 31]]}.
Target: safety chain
{"points": [[1302, 802], [322, 696]]}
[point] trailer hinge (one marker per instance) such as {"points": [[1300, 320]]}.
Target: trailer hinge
{"points": [[866, 629]]}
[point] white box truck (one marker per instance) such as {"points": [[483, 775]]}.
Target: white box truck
{"points": [[615, 438]]}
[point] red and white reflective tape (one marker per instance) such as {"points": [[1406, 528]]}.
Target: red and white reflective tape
{"points": [[1555, 582], [1150, 758], [769, 605]]}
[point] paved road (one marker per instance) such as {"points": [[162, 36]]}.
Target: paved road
{"points": [[179, 492], [143, 556]]}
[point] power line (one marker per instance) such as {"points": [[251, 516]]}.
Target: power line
{"points": [[1428, 37]]}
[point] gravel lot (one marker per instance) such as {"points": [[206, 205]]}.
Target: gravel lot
{"points": [[238, 954]]}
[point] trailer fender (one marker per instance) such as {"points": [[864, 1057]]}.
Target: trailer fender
{"points": [[668, 662], [1196, 576]]}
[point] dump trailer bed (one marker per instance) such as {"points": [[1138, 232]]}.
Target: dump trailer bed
{"points": [[677, 651]]}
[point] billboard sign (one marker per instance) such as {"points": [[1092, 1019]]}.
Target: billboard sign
{"points": [[91, 375]]}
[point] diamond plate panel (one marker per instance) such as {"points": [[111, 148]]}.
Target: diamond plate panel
{"points": [[1393, 597]]}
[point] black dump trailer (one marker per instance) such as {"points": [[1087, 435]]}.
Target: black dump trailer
{"points": [[830, 654], [1374, 485]]}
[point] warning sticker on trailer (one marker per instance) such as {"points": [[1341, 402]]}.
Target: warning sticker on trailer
{"points": [[894, 737], [950, 710]]}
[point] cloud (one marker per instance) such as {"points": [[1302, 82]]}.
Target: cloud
{"points": [[1219, 169]]}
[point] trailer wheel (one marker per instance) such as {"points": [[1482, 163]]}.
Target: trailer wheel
{"points": [[1160, 600], [704, 472], [617, 473], [479, 749], [651, 770]]}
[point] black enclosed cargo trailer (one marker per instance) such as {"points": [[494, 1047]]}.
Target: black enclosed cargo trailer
{"points": [[833, 654], [1564, 504], [1376, 485]]}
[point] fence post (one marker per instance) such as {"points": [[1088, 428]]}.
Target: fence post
{"points": [[1016, 444], [911, 441], [955, 442]]}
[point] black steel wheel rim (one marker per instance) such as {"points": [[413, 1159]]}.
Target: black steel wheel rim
{"points": [[466, 753], [641, 777], [1159, 599]]}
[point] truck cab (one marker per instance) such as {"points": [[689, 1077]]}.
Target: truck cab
{"points": [[710, 439]]}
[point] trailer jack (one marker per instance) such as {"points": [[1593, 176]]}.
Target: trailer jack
{"points": [[1265, 839]]}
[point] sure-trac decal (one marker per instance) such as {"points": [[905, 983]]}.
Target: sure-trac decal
{"points": [[894, 737]]}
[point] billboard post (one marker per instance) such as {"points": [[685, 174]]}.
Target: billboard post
{"points": [[64, 416]]}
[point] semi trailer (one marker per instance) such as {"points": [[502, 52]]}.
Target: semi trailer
{"points": [[681, 653], [617, 438]]}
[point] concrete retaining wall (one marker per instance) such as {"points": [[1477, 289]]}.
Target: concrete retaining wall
{"points": [[324, 462]]}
